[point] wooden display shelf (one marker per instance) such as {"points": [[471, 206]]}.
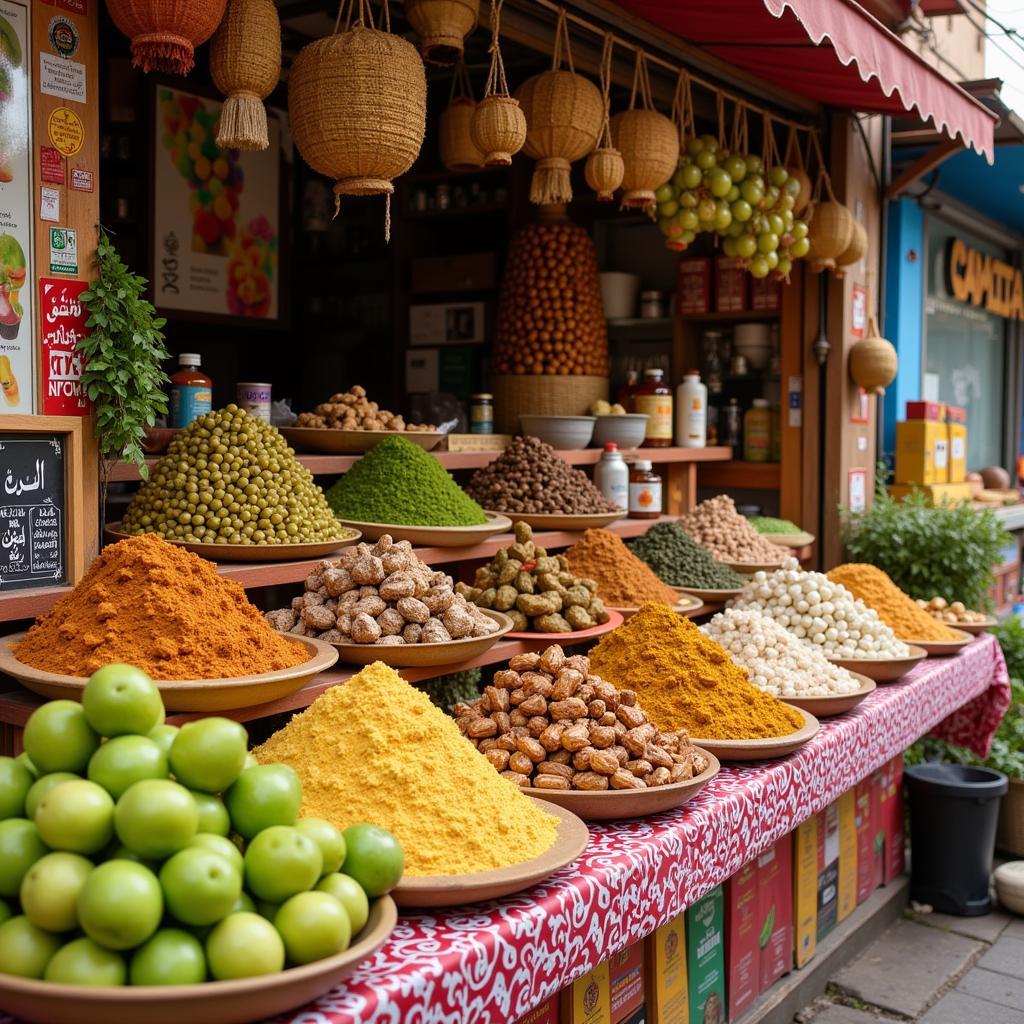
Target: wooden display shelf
{"points": [[757, 475]]}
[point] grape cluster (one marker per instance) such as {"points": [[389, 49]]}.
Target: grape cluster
{"points": [[734, 195]]}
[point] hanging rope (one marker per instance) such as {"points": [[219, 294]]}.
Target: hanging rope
{"points": [[496, 82]]}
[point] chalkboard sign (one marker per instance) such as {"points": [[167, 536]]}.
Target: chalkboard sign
{"points": [[33, 510]]}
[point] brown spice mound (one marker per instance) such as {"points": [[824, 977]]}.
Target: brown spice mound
{"points": [[623, 580], [157, 606]]}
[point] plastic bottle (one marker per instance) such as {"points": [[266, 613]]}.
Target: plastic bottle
{"points": [[191, 391], [692, 412], [611, 476], [654, 398], [644, 491], [757, 432]]}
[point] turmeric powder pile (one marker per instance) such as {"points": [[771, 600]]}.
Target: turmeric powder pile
{"points": [[684, 680], [376, 749], [152, 604], [896, 609], [623, 580]]}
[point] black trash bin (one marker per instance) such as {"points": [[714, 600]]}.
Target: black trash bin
{"points": [[953, 814]]}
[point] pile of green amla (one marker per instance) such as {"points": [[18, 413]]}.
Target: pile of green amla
{"points": [[397, 482]]}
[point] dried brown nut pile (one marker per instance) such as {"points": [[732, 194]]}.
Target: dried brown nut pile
{"points": [[530, 476], [949, 612], [547, 722], [536, 589], [381, 594], [350, 410], [729, 536]]}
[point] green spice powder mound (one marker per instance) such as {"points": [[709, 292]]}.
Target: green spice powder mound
{"points": [[680, 561], [769, 524], [398, 482]]}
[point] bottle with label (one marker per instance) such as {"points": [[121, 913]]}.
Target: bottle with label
{"points": [[729, 430], [481, 414], [644, 491], [191, 391], [627, 393], [757, 432], [611, 476], [654, 397], [692, 412]]}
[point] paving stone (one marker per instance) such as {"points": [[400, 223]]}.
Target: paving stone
{"points": [[1005, 957], [958, 1008], [996, 988], [986, 928], [837, 1014], [1015, 929], [903, 970]]}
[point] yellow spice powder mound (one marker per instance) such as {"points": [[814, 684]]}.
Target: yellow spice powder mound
{"points": [[377, 750]]}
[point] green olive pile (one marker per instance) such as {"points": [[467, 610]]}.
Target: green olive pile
{"points": [[680, 561], [230, 478]]}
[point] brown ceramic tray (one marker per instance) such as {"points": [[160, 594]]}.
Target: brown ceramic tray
{"points": [[687, 603], [790, 540], [435, 536], [353, 442], [710, 596], [453, 890], [826, 707], [944, 648], [883, 670], [425, 655], [615, 619], [214, 1002], [761, 750], [749, 568], [974, 628], [250, 552], [611, 804], [185, 694], [545, 521]]}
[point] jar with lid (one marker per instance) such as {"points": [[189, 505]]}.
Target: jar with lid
{"points": [[191, 391], [757, 432], [481, 414], [644, 491], [691, 412], [652, 305], [654, 397], [611, 476]]}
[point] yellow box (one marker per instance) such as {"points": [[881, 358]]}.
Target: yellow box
{"points": [[847, 854], [937, 494], [922, 452], [805, 890], [957, 452], [665, 958], [588, 1000]]}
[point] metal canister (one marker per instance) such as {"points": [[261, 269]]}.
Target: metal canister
{"points": [[481, 414], [254, 399]]}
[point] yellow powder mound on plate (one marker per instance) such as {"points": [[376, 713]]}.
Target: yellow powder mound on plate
{"points": [[375, 749]]}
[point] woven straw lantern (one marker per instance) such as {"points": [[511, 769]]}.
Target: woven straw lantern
{"points": [[604, 167], [458, 154], [873, 361], [442, 26], [245, 62], [855, 251], [357, 102], [165, 33], [830, 234], [498, 128], [648, 142]]}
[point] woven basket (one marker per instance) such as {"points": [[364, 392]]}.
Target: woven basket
{"points": [[245, 63], [165, 33], [830, 234], [442, 26], [855, 251], [498, 129], [542, 395], [803, 197], [458, 154], [873, 361], [1010, 831], [603, 171]]}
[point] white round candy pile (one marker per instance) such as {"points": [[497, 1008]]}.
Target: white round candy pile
{"points": [[820, 612], [775, 660]]}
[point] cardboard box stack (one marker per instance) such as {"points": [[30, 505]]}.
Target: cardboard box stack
{"points": [[926, 442]]}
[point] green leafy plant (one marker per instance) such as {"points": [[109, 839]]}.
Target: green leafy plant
{"points": [[122, 355], [942, 550]]}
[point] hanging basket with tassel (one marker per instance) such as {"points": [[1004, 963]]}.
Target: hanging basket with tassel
{"points": [[458, 153], [442, 26], [604, 167], [165, 33], [245, 63], [357, 102], [498, 128], [873, 361]]}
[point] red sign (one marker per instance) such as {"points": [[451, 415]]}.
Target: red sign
{"points": [[51, 164], [858, 310], [81, 179], [63, 318]]}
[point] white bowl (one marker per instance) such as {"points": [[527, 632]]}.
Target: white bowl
{"points": [[562, 432], [1009, 879], [627, 430]]}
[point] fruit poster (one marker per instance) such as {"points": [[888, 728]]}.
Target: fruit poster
{"points": [[216, 222], [17, 317]]}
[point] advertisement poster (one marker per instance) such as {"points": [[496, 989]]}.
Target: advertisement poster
{"points": [[63, 317], [17, 213], [216, 226]]}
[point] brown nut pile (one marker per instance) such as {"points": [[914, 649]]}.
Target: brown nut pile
{"points": [[381, 594], [717, 525], [548, 723], [536, 589], [350, 410], [953, 612], [530, 476]]}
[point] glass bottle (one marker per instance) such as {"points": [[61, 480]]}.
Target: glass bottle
{"points": [[757, 432], [654, 397], [644, 491]]}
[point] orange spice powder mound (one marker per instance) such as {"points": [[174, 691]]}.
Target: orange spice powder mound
{"points": [[162, 608]]}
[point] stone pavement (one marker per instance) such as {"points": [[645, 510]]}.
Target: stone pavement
{"points": [[934, 969]]}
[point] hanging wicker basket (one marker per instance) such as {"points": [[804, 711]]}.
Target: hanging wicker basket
{"points": [[498, 128], [873, 361], [604, 167], [458, 153], [855, 251], [830, 234], [357, 101], [165, 33], [442, 26], [245, 63]]}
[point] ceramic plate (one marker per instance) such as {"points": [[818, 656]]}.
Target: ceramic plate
{"points": [[944, 648], [251, 552], [611, 804], [435, 536], [883, 670], [614, 620], [761, 750], [826, 707], [418, 655], [748, 568], [975, 628], [452, 890], [215, 1002], [186, 694], [710, 596], [790, 540], [539, 521], [684, 606], [353, 442]]}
